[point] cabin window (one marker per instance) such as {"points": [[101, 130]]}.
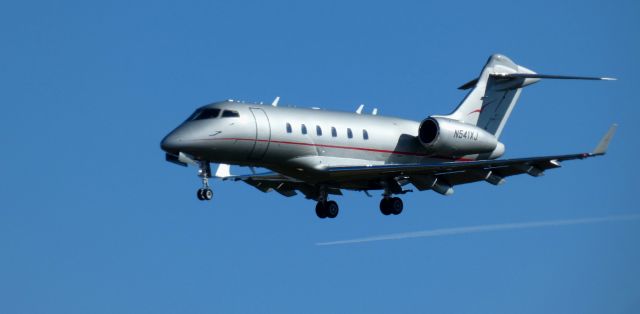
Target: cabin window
{"points": [[303, 129], [334, 133], [318, 130], [365, 134], [349, 133], [230, 114], [206, 113], [289, 130]]}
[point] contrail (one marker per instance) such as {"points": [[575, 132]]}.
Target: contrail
{"points": [[485, 228]]}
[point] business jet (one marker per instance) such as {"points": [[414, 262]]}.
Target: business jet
{"points": [[320, 153]]}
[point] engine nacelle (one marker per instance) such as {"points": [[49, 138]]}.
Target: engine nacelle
{"points": [[446, 137]]}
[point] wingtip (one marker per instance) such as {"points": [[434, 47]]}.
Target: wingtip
{"points": [[608, 78], [602, 146]]}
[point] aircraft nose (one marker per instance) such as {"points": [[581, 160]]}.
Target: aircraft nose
{"points": [[171, 143]]}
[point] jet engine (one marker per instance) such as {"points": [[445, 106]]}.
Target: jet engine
{"points": [[447, 137]]}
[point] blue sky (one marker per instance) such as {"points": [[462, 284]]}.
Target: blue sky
{"points": [[93, 220]]}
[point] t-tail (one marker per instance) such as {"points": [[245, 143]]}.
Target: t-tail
{"points": [[495, 92]]}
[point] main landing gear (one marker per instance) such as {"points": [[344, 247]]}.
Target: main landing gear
{"points": [[391, 205], [327, 209], [324, 207], [388, 206], [205, 193]]}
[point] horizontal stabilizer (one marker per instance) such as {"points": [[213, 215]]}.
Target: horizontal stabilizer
{"points": [[474, 82], [548, 76], [601, 149]]}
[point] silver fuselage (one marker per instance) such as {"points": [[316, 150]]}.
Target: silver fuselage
{"points": [[259, 137]]}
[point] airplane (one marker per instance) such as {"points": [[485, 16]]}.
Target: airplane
{"points": [[321, 152]]}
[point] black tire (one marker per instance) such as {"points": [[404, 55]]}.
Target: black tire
{"points": [[384, 207], [200, 196], [321, 210], [332, 209], [207, 194], [396, 206]]}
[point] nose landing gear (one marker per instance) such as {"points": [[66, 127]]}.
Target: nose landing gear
{"points": [[205, 193]]}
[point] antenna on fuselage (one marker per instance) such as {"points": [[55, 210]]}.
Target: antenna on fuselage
{"points": [[275, 101], [375, 111], [359, 110]]}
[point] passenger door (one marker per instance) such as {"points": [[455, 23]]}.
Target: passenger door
{"points": [[263, 133]]}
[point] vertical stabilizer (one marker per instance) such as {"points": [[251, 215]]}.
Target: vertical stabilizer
{"points": [[495, 92], [493, 95]]}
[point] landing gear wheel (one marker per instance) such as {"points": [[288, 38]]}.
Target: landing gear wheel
{"points": [[396, 205], [331, 208], [207, 194], [321, 210], [390, 206], [385, 209]]}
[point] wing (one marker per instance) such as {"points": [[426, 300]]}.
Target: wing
{"points": [[287, 186], [441, 177]]}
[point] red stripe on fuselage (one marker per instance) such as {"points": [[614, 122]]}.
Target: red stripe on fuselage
{"points": [[331, 146]]}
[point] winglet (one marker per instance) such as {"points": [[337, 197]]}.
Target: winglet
{"points": [[359, 110], [601, 149], [223, 171]]}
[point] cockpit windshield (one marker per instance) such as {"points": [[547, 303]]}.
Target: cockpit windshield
{"points": [[204, 113], [230, 114]]}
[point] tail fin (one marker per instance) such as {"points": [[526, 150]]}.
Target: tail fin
{"points": [[495, 92]]}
